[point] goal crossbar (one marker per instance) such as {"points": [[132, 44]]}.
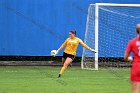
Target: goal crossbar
{"points": [[113, 4]]}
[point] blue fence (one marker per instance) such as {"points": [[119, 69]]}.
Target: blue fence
{"points": [[35, 27]]}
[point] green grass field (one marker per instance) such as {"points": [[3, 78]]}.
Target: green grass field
{"points": [[74, 80]]}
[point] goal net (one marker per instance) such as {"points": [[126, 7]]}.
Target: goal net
{"points": [[109, 27]]}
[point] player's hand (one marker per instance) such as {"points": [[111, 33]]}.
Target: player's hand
{"points": [[93, 50], [130, 59]]}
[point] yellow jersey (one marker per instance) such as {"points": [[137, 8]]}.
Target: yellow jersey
{"points": [[71, 45]]}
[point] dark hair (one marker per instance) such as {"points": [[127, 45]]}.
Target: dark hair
{"points": [[73, 32], [138, 28]]}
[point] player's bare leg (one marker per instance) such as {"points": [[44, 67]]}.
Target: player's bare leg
{"points": [[63, 61], [65, 65], [135, 87]]}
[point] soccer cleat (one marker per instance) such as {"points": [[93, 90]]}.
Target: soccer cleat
{"points": [[59, 76]]}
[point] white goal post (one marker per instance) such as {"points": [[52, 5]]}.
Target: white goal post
{"points": [[106, 29]]}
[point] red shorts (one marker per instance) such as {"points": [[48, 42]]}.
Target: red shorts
{"points": [[135, 72]]}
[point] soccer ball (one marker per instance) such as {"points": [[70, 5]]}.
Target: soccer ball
{"points": [[53, 52]]}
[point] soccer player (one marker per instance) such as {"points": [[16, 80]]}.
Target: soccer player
{"points": [[70, 45], [134, 46]]}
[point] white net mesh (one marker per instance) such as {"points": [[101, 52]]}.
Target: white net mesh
{"points": [[116, 28]]}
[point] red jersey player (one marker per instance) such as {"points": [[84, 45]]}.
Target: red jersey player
{"points": [[134, 47]]}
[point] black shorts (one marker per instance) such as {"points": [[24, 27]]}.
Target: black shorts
{"points": [[65, 55]]}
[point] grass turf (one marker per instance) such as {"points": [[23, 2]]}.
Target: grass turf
{"points": [[74, 80]]}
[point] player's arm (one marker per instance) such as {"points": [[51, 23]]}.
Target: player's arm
{"points": [[61, 47], [127, 53], [85, 46]]}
